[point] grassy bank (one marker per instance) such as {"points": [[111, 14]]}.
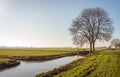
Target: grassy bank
{"points": [[103, 64], [2, 60], [60, 69], [5, 63]]}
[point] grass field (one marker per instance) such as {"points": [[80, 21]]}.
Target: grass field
{"points": [[35, 51], [38, 51], [104, 64]]}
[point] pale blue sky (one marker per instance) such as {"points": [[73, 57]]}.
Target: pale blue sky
{"points": [[45, 23]]}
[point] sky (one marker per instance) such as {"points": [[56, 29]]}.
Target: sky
{"points": [[46, 23]]}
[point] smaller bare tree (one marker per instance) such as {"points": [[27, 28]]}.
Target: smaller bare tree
{"points": [[115, 43], [118, 45]]}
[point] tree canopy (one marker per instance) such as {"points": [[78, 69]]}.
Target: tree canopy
{"points": [[91, 25]]}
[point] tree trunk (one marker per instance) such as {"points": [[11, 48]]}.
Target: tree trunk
{"points": [[91, 48]]}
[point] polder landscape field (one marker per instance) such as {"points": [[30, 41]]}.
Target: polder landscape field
{"points": [[103, 63], [35, 53]]}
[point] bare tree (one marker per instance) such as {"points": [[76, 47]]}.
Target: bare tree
{"points": [[91, 25], [115, 43]]}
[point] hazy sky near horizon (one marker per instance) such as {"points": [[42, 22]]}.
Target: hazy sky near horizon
{"points": [[46, 23]]}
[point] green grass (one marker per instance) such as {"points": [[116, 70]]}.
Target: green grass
{"points": [[104, 64], [35, 51], [3, 60], [39, 51]]}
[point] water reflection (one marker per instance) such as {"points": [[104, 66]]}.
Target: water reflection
{"points": [[30, 69]]}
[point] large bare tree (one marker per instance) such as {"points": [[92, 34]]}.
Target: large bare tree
{"points": [[91, 25]]}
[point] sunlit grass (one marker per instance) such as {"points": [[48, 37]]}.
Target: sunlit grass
{"points": [[36, 51], [104, 64], [3, 60], [39, 51]]}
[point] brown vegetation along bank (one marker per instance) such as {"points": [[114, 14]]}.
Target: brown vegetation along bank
{"points": [[9, 63], [42, 58], [64, 68]]}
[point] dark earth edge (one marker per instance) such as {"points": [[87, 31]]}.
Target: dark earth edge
{"points": [[9, 63], [15, 60]]}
